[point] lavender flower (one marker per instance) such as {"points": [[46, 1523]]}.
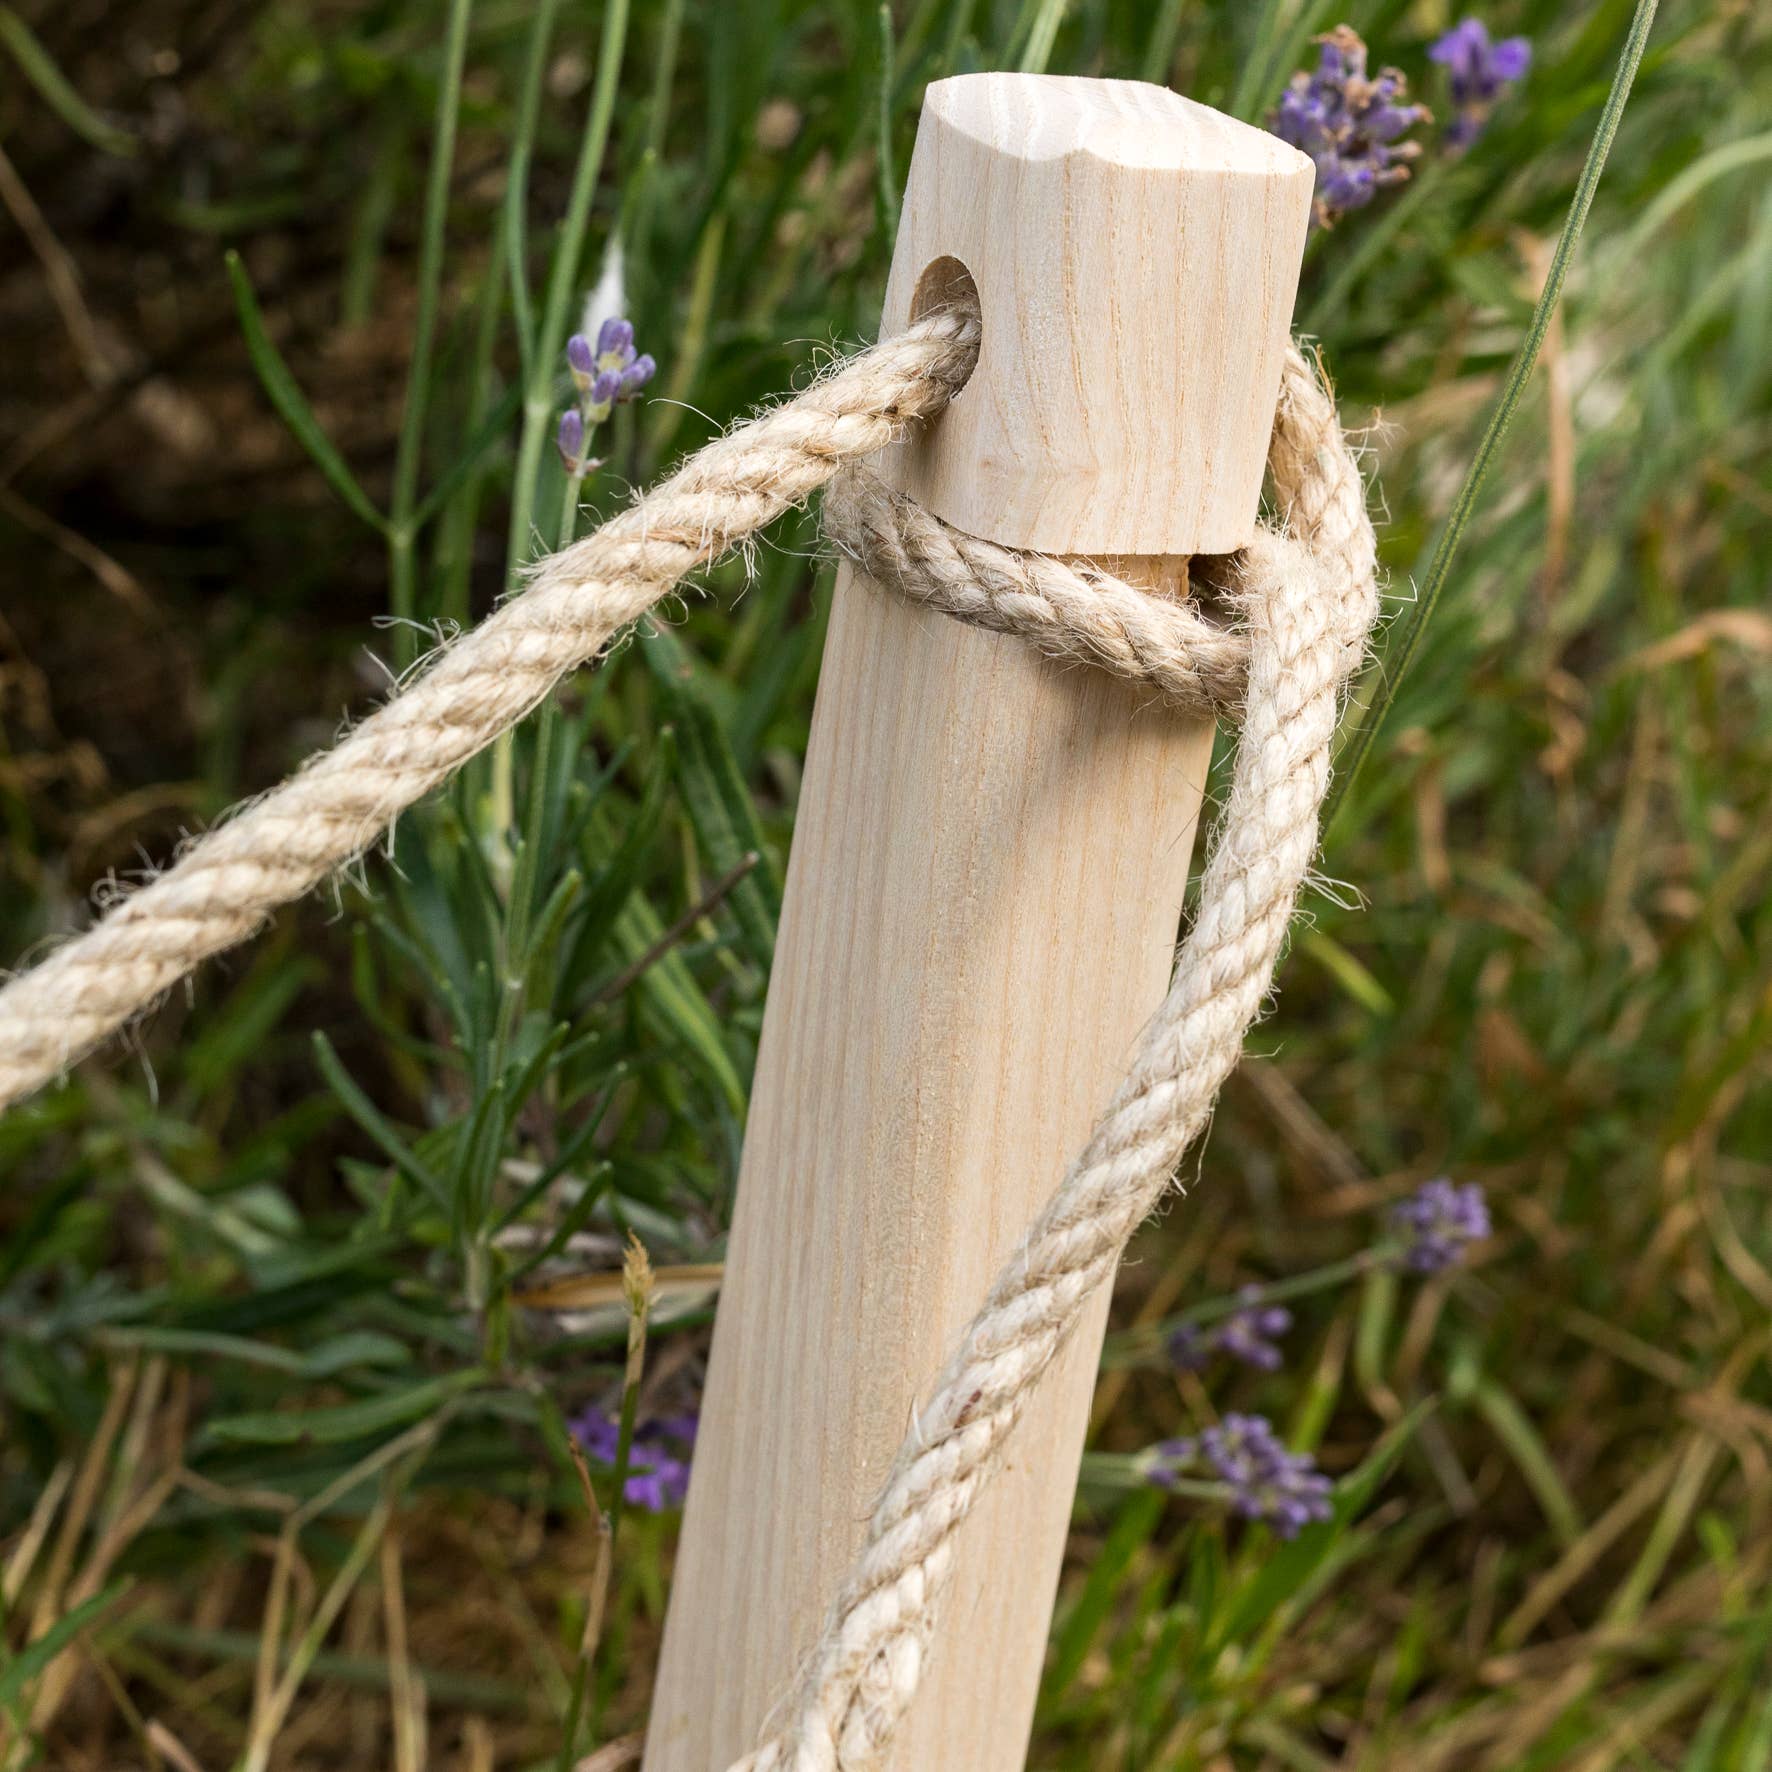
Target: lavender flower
{"points": [[1251, 1470], [1479, 71], [570, 439], [581, 359], [1169, 1458], [1350, 125], [1439, 1222], [606, 374], [1266, 1482], [1190, 1350], [658, 1457], [1248, 1335]]}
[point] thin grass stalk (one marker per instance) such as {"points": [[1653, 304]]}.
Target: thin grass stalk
{"points": [[596, 1606], [885, 178], [455, 547], [1259, 58], [539, 402], [516, 201], [1043, 19], [1159, 48], [402, 530], [1411, 628], [658, 105]]}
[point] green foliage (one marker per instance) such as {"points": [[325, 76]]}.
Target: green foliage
{"points": [[286, 1268]]}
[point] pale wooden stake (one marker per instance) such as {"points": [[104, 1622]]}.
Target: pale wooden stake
{"points": [[989, 863]]}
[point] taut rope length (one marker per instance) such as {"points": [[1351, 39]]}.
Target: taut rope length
{"points": [[1306, 598], [279, 847]]}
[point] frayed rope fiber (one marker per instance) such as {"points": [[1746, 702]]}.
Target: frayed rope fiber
{"points": [[1305, 598]]}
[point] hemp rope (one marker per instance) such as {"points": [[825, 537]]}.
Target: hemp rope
{"points": [[1070, 610], [276, 848], [1306, 598]]}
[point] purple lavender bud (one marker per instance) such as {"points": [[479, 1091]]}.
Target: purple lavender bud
{"points": [[598, 1433], [1438, 1223], [1168, 1459], [1189, 1350], [645, 1489], [580, 359], [1350, 125], [602, 395], [1249, 1334], [680, 1428], [657, 1478], [1478, 72], [656, 1482], [1266, 1482], [637, 375], [1509, 59], [1240, 1447], [570, 439], [615, 339]]}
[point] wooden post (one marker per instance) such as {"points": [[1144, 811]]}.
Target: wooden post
{"points": [[987, 876]]}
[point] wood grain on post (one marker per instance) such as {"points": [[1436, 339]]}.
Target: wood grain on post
{"points": [[989, 863]]}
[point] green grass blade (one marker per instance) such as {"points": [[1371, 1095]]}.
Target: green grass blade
{"points": [[541, 32], [1411, 627], [325, 1359], [1252, 76], [341, 1421], [670, 991], [403, 502], [17, 1674], [1045, 16], [720, 807], [57, 91], [492, 431], [373, 1121], [1513, 1428], [291, 403], [1159, 48]]}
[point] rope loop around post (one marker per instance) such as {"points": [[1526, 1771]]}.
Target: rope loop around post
{"points": [[1071, 610]]}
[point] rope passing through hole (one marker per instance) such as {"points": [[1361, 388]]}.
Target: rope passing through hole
{"points": [[1305, 598]]}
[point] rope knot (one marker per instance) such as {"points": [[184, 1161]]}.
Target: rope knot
{"points": [[1078, 612]]}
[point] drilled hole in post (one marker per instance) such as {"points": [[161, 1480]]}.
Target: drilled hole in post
{"points": [[945, 283]]}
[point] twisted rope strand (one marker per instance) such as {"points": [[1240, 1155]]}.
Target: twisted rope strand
{"points": [[1308, 600], [279, 847], [1072, 610]]}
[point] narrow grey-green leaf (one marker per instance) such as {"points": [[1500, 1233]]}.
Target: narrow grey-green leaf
{"points": [[291, 403]]}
